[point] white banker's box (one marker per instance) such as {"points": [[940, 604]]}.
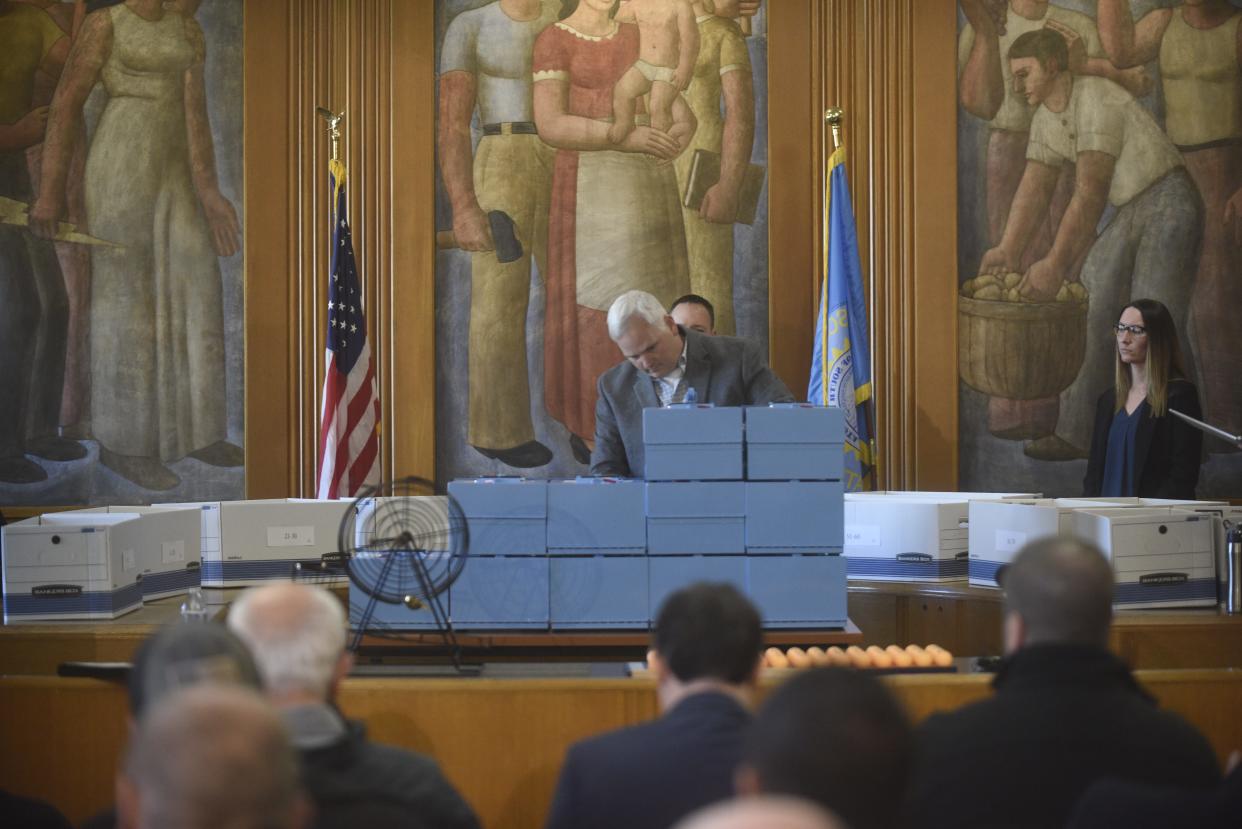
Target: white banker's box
{"points": [[76, 567], [171, 560], [252, 542], [1218, 514], [909, 536], [1160, 557], [999, 529]]}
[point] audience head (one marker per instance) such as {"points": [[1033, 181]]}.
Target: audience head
{"points": [[297, 634], [209, 757], [836, 737], [763, 812], [707, 631], [645, 333], [182, 655], [694, 312], [1057, 590]]}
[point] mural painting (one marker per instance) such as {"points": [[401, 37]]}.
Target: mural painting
{"points": [[1068, 213], [571, 136], [120, 272]]}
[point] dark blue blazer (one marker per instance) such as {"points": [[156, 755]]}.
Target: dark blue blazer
{"points": [[1166, 449], [649, 776]]}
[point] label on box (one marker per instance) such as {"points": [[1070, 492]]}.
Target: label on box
{"points": [[291, 536], [174, 551], [1009, 541], [862, 535], [129, 560]]}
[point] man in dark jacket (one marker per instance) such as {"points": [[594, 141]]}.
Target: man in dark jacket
{"points": [[663, 363], [1066, 711], [705, 657], [297, 635]]}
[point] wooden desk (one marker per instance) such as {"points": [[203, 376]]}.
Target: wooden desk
{"points": [[501, 742], [967, 621], [38, 648]]}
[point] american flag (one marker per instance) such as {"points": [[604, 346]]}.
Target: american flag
{"points": [[348, 439]]}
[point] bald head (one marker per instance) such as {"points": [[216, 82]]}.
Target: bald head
{"points": [[211, 756], [764, 812], [1061, 590], [297, 635]]}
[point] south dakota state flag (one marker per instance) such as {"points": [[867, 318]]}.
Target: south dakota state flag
{"points": [[841, 363]]}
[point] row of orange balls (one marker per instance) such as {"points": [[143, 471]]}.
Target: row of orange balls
{"points": [[874, 656]]}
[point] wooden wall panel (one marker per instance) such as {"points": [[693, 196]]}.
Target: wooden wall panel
{"points": [[889, 64], [501, 742], [372, 60]]}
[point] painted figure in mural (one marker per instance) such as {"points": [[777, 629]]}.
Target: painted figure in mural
{"points": [[1199, 47], [668, 46], [74, 259], [1122, 157], [157, 327], [722, 74], [986, 90], [33, 306], [615, 221], [485, 65]]}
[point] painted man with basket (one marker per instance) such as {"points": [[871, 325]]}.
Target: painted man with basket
{"points": [[1122, 158]]}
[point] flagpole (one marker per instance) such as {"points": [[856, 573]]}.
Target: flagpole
{"points": [[834, 117]]}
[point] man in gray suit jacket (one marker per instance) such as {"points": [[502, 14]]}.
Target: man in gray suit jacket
{"points": [[662, 361]]}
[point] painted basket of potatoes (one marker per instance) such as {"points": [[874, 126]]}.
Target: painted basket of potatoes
{"points": [[1011, 347]]}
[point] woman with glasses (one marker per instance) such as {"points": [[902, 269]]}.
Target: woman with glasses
{"points": [[1137, 446]]}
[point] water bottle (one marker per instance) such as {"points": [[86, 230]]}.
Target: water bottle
{"points": [[194, 609], [1231, 577]]}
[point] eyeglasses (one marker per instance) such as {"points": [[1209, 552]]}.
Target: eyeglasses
{"points": [[1136, 330]]}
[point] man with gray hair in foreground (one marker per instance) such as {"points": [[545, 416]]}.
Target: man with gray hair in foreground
{"points": [[1065, 713], [663, 362], [211, 756], [297, 634], [762, 812]]}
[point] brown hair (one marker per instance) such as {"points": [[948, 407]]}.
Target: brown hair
{"points": [[1164, 357]]}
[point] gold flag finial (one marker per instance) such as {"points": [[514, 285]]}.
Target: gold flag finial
{"points": [[334, 129], [835, 117]]}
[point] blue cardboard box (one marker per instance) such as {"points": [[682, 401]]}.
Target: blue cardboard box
{"points": [[696, 517], [501, 592], [668, 574], [794, 516], [599, 592], [799, 590], [597, 515], [693, 442], [387, 616], [794, 441], [504, 516]]}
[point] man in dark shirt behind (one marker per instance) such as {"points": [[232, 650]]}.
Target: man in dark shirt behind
{"points": [[1066, 711], [705, 655]]}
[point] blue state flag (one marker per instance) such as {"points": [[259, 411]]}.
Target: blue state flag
{"points": [[841, 362]]}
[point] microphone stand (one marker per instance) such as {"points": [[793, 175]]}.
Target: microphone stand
{"points": [[1209, 429]]}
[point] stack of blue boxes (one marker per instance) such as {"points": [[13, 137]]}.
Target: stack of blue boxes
{"points": [[748, 496]]}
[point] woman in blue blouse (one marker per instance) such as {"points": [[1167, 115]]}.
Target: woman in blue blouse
{"points": [[1137, 447]]}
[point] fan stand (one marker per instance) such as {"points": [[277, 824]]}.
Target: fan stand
{"points": [[444, 625]]}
